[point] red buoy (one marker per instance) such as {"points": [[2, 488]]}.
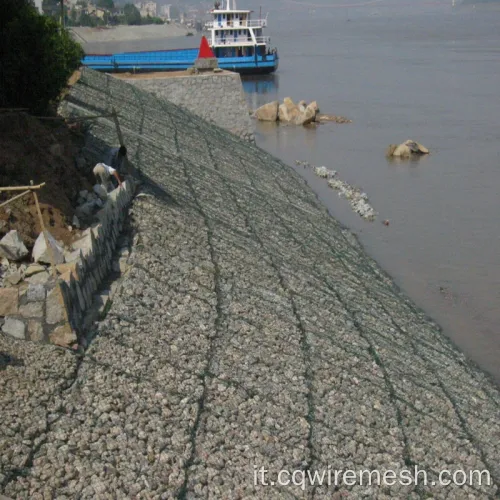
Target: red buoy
{"points": [[205, 50]]}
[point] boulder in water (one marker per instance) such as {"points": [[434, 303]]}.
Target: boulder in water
{"points": [[268, 112], [306, 117], [288, 111], [416, 147], [406, 149]]}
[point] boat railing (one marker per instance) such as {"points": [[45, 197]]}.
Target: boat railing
{"points": [[239, 40], [252, 23]]}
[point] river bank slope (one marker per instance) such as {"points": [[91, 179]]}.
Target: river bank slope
{"points": [[251, 331]]}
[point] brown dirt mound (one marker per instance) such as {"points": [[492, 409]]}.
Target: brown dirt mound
{"points": [[41, 151]]}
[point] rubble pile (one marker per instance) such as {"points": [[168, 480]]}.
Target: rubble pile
{"points": [[358, 199]]}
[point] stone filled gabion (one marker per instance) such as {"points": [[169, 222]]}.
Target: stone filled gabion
{"points": [[217, 98], [251, 330]]}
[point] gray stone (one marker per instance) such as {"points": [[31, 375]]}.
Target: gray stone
{"points": [[76, 222], [84, 244], [31, 310], [33, 269], [101, 192], [63, 335], [39, 278], [14, 278], [35, 330], [12, 246], [9, 301], [42, 253], [15, 328], [55, 307], [35, 293], [72, 256], [87, 209]]}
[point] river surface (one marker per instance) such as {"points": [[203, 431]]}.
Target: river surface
{"points": [[420, 70]]}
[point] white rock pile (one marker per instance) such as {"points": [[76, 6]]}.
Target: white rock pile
{"points": [[358, 199]]}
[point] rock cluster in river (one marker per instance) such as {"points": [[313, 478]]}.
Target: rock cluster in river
{"points": [[296, 114]]}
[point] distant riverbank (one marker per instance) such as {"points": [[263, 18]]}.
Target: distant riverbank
{"points": [[91, 36]]}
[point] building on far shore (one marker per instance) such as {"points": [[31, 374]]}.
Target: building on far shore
{"points": [[147, 8], [98, 12], [164, 11]]}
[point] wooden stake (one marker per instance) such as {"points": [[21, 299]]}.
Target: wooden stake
{"points": [[15, 198], [47, 242], [20, 188]]}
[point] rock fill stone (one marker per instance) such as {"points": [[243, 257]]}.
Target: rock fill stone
{"points": [[42, 253], [12, 246]]}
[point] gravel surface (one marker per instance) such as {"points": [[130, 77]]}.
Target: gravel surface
{"points": [[250, 330]]}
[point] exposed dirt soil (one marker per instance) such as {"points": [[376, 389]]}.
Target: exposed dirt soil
{"points": [[41, 151]]}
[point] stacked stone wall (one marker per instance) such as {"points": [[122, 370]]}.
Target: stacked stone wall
{"points": [[54, 310], [216, 97], [96, 259]]}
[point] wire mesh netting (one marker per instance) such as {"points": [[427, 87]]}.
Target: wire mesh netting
{"points": [[252, 330]]}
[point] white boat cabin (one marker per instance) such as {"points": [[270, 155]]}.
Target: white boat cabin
{"points": [[234, 34]]}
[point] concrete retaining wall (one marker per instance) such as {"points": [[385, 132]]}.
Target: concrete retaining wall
{"points": [[50, 309], [216, 97]]}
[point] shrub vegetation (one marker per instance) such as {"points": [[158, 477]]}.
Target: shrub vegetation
{"points": [[38, 57]]}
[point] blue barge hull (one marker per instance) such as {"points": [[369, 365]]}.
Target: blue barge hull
{"points": [[176, 60]]}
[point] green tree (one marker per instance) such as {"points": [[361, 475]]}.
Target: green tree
{"points": [[51, 8], [38, 57], [106, 4], [73, 18], [132, 14], [88, 20]]}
